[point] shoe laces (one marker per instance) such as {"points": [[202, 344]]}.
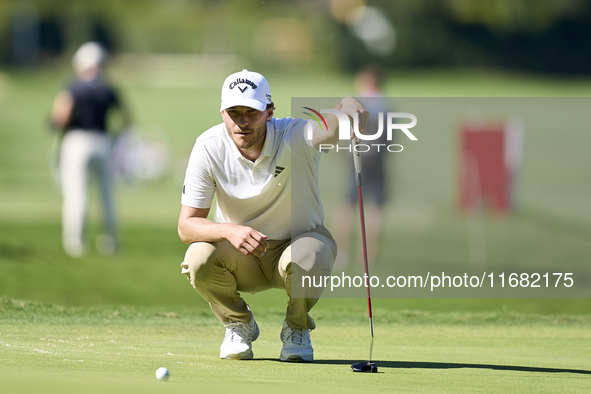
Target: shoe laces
{"points": [[237, 332], [296, 336]]}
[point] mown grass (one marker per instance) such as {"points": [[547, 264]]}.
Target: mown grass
{"points": [[119, 348], [126, 315]]}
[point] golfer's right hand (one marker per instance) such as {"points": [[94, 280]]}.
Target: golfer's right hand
{"points": [[247, 240]]}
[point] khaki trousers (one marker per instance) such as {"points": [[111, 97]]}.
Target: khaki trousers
{"points": [[218, 271]]}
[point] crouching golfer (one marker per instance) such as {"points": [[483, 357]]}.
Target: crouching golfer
{"points": [[250, 162]]}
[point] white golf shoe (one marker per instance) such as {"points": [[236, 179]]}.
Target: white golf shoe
{"points": [[297, 346], [237, 343]]}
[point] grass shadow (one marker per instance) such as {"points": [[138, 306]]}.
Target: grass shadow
{"points": [[436, 365]]}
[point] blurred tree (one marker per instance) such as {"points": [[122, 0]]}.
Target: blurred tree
{"points": [[541, 35], [544, 35]]}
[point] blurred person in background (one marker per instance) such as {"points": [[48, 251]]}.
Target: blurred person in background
{"points": [[80, 111], [368, 83]]}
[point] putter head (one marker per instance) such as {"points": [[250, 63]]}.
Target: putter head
{"points": [[364, 367]]}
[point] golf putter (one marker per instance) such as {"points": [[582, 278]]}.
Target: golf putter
{"points": [[368, 366]]}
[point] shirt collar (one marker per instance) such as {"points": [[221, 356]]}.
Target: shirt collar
{"points": [[269, 141]]}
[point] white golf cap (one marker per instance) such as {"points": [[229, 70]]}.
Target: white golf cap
{"points": [[90, 54], [246, 88]]}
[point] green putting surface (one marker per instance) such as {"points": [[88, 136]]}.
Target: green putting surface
{"points": [[118, 349]]}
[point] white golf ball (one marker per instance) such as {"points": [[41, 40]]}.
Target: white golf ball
{"points": [[162, 374]]}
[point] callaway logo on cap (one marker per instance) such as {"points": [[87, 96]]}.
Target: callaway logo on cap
{"points": [[246, 88]]}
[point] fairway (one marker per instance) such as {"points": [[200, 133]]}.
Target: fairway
{"points": [[118, 349]]}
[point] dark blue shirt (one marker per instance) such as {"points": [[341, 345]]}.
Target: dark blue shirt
{"points": [[92, 101]]}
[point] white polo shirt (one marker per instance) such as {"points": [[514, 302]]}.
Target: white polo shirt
{"points": [[259, 194]]}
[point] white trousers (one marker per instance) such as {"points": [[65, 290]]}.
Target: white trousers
{"points": [[84, 154]]}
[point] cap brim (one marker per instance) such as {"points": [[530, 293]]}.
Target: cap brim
{"points": [[245, 102]]}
